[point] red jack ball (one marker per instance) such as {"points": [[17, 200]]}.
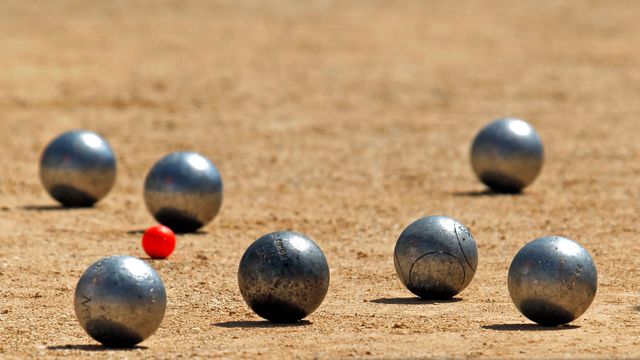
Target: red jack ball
{"points": [[158, 242]]}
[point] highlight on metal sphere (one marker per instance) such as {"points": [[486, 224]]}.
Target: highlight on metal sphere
{"points": [[120, 301], [436, 257], [183, 191], [507, 155], [78, 168], [283, 276], [552, 280]]}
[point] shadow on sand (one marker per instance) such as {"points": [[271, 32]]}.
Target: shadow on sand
{"points": [[53, 208], [414, 301], [485, 193], [528, 327], [260, 324], [94, 347], [141, 231]]}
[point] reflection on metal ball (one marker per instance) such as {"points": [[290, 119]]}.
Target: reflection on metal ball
{"points": [[283, 276], [120, 301], [183, 191], [436, 257], [552, 280], [507, 155], [78, 168]]}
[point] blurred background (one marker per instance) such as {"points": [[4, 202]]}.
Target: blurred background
{"points": [[341, 120]]}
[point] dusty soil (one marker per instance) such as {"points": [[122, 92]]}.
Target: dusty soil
{"points": [[342, 120]]}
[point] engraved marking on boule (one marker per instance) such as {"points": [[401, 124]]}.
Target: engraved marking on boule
{"points": [[395, 256], [455, 229], [282, 252], [85, 305], [464, 273]]}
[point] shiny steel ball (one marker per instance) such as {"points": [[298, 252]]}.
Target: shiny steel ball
{"points": [[78, 168], [507, 155], [283, 276], [183, 191], [552, 280], [436, 257], [120, 301]]}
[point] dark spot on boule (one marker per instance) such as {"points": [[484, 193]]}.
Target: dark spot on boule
{"points": [[435, 292], [277, 310], [177, 220], [70, 196], [111, 334], [545, 313], [502, 183]]}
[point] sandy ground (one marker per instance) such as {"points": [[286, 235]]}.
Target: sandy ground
{"points": [[342, 120]]}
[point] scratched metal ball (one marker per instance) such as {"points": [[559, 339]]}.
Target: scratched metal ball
{"points": [[183, 191], [436, 257], [283, 276], [78, 168], [507, 155], [552, 280], [120, 301]]}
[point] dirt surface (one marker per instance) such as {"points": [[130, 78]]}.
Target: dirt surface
{"points": [[345, 121]]}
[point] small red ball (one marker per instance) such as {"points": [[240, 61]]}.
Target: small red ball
{"points": [[158, 242]]}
